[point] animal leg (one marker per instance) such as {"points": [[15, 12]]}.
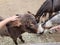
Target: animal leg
{"points": [[20, 37], [15, 41]]}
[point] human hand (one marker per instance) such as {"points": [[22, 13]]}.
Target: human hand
{"points": [[13, 18], [55, 28]]}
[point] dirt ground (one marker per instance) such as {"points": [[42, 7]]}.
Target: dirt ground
{"points": [[12, 7]]}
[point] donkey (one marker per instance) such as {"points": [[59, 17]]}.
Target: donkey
{"points": [[49, 6], [25, 23], [53, 21]]}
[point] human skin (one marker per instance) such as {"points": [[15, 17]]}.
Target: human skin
{"points": [[5, 21], [56, 27]]}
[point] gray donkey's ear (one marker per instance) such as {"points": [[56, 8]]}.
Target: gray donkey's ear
{"points": [[30, 13]]}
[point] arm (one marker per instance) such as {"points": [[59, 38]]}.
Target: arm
{"points": [[4, 22], [56, 27]]}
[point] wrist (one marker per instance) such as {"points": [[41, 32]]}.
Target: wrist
{"points": [[7, 20]]}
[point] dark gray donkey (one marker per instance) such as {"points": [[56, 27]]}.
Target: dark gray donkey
{"points": [[49, 6]]}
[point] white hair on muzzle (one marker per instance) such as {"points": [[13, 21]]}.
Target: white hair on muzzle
{"points": [[40, 28]]}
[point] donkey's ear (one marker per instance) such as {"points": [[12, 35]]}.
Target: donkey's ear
{"points": [[30, 13], [17, 14]]}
